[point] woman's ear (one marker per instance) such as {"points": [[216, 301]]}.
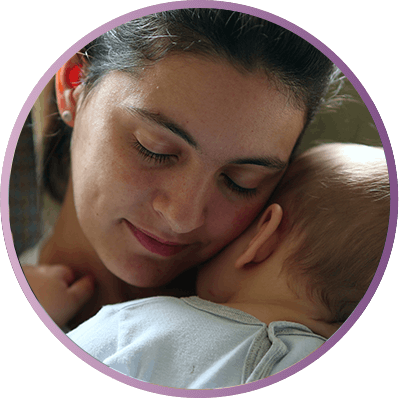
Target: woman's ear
{"points": [[68, 88], [265, 241]]}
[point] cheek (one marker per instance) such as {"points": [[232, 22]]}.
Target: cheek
{"points": [[229, 221], [106, 182]]}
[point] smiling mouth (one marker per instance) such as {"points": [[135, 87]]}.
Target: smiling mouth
{"points": [[154, 244]]}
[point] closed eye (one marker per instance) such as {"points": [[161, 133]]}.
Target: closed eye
{"points": [[160, 158], [157, 158], [245, 192]]}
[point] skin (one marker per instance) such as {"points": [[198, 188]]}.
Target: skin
{"points": [[248, 275], [58, 291], [190, 197]]}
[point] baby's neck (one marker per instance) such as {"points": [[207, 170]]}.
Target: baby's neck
{"points": [[262, 290], [273, 311]]}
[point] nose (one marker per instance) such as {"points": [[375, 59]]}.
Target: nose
{"points": [[182, 201]]}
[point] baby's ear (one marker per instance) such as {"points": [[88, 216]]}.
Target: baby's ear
{"points": [[265, 241]]}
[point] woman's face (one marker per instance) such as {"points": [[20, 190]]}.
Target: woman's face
{"points": [[170, 167]]}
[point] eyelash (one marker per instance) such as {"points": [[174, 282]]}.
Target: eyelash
{"points": [[159, 158], [245, 192]]}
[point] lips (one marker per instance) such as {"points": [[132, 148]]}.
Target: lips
{"points": [[154, 244]]}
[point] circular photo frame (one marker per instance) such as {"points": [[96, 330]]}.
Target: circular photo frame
{"points": [[374, 116]]}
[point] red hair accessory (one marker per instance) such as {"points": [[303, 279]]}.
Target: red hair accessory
{"points": [[73, 75]]}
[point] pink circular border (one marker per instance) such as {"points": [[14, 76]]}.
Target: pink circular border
{"points": [[43, 315]]}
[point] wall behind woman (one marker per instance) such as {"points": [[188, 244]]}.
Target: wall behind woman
{"points": [[24, 200], [350, 122], [31, 213]]}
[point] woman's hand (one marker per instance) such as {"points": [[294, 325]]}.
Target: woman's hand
{"points": [[58, 291]]}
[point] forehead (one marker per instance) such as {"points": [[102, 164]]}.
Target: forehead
{"points": [[221, 107]]}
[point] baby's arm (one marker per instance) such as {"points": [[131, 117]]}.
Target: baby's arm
{"points": [[58, 291]]}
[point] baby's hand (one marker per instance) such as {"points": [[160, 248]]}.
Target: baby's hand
{"points": [[58, 291]]}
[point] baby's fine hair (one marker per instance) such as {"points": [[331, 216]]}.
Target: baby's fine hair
{"points": [[336, 204]]}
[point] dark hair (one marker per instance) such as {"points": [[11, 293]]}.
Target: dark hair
{"points": [[249, 43], [336, 205]]}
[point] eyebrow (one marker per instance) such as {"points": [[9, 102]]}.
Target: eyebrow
{"points": [[268, 162], [165, 122]]}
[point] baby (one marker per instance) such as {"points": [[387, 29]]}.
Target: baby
{"points": [[272, 296]]}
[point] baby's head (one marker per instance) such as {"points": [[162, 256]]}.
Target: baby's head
{"points": [[327, 240], [336, 204]]}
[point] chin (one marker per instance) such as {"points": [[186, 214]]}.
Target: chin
{"points": [[145, 275]]}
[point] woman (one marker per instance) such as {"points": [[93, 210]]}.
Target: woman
{"points": [[183, 123]]}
